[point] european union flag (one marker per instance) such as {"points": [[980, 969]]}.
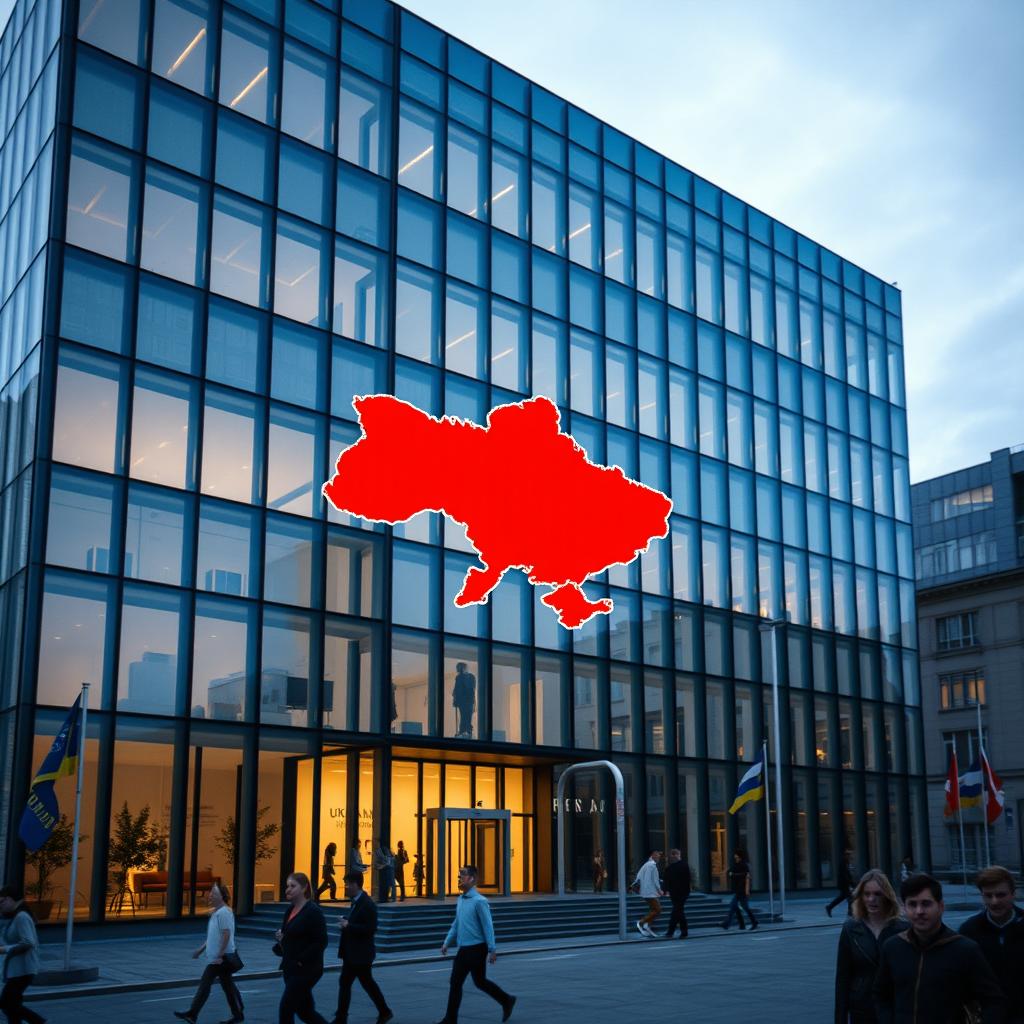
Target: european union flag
{"points": [[42, 812]]}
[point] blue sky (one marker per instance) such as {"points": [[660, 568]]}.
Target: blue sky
{"points": [[891, 133]]}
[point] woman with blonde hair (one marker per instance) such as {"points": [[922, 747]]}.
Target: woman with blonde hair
{"points": [[875, 919]]}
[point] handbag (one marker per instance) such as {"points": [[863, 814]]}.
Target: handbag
{"points": [[233, 962]]}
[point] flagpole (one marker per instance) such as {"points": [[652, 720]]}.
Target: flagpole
{"points": [[984, 785], [767, 826], [78, 815], [960, 819]]}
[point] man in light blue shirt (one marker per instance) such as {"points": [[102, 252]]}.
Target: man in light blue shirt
{"points": [[473, 932]]}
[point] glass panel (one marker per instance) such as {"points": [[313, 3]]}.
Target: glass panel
{"points": [[101, 201], [155, 535], [223, 669], [285, 694], [413, 685], [548, 690], [417, 314], [88, 391], [419, 150], [150, 672], [246, 77], [240, 251], [466, 331], [509, 197], [363, 209], [107, 100], [507, 687], [169, 324], [290, 575], [365, 117], [300, 274], [292, 458], [229, 446], [161, 450], [467, 172], [182, 44], [245, 156], [226, 554], [113, 27], [307, 97], [173, 232], [359, 295]]}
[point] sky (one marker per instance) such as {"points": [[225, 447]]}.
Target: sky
{"points": [[891, 133]]}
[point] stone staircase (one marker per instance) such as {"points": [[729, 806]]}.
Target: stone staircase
{"points": [[420, 924]]}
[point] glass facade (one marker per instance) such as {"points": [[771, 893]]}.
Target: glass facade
{"points": [[257, 213]]}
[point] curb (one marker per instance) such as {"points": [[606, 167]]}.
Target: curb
{"points": [[399, 961]]}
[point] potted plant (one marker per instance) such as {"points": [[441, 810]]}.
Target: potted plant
{"points": [[53, 855], [135, 843], [227, 841]]}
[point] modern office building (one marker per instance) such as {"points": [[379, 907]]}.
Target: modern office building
{"points": [[223, 220], [969, 554]]}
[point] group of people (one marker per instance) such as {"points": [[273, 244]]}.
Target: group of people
{"points": [[302, 940], [653, 885], [902, 965], [389, 865]]}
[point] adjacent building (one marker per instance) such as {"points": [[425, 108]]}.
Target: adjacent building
{"points": [[969, 558], [223, 220]]}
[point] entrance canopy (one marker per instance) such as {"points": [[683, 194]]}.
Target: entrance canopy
{"points": [[468, 835]]}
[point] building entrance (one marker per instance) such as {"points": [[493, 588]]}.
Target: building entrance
{"points": [[470, 835]]}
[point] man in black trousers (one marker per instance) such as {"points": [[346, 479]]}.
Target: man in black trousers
{"points": [[357, 951], [677, 884]]}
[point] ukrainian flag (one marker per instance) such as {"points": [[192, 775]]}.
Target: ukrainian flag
{"points": [[751, 786], [42, 812], [971, 786]]}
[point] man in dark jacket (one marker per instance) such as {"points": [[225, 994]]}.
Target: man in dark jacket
{"points": [[844, 883], [929, 973], [677, 884], [999, 931], [357, 951]]}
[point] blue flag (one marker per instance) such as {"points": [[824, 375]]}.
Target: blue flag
{"points": [[42, 812]]}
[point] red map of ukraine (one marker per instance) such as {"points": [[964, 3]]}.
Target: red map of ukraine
{"points": [[527, 494]]}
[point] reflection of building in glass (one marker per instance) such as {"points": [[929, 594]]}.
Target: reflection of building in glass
{"points": [[211, 249]]}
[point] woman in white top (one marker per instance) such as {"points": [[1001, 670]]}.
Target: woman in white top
{"points": [[221, 958]]}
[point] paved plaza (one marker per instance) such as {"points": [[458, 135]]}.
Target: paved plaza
{"points": [[781, 974]]}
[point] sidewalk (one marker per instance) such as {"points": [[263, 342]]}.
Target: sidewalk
{"points": [[164, 961]]}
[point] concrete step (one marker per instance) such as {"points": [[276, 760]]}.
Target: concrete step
{"points": [[421, 925]]}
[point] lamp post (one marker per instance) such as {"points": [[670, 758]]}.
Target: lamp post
{"points": [[771, 626]]}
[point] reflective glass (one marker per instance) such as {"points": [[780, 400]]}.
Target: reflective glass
{"points": [[417, 314], [650, 260], [247, 78], [116, 28], [245, 156], [299, 366], [226, 557], [223, 660], [95, 303], [173, 228], [150, 671], [466, 251], [236, 344], [467, 172], [107, 99], [584, 227], [359, 293], [179, 129], [549, 359], [307, 97], [465, 331], [415, 570], [156, 533], [420, 163], [509, 198], [293, 456], [356, 370], [364, 136], [239, 255], [101, 201], [363, 207], [290, 572], [618, 243], [300, 273], [587, 377], [548, 210], [182, 47], [81, 530], [162, 433], [229, 446], [89, 390], [285, 683], [305, 184]]}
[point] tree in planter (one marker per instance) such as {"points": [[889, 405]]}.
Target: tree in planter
{"points": [[53, 855], [135, 843], [227, 841]]}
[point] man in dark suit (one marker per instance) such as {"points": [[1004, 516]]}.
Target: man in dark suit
{"points": [[357, 951], [677, 884]]}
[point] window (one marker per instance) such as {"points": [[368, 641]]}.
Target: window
{"points": [[156, 526], [95, 308], [284, 686], [962, 689], [236, 346], [359, 293], [307, 97], [963, 503], [467, 172], [223, 655], [182, 44], [89, 390], [364, 133], [240, 257], [957, 555], [363, 207], [293, 455], [173, 229], [101, 200], [246, 75], [161, 449], [508, 192], [227, 557], [245, 156], [305, 182], [229, 446], [168, 325], [115, 28], [966, 742], [107, 99], [955, 631], [417, 314], [300, 276], [420, 159], [150, 674]]}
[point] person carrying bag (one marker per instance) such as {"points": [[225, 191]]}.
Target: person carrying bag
{"points": [[222, 959], [21, 957]]}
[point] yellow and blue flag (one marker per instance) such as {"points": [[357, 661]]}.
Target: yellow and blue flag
{"points": [[751, 786], [42, 812], [971, 786]]}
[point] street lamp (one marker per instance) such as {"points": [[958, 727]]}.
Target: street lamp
{"points": [[771, 626]]}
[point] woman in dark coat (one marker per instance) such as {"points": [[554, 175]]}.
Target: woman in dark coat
{"points": [[875, 918], [301, 941]]}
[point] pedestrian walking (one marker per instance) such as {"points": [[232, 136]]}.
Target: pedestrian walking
{"points": [[648, 884], [418, 874], [327, 880], [677, 883], [875, 919], [739, 883], [599, 870], [357, 951], [392, 874], [844, 883], [906, 868], [355, 859], [999, 932], [21, 957], [401, 859], [929, 974], [222, 959], [473, 932], [301, 941]]}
